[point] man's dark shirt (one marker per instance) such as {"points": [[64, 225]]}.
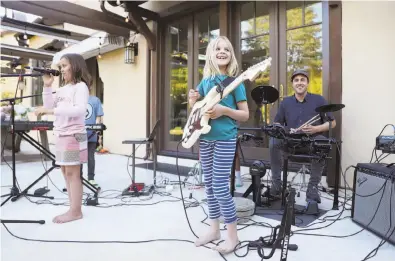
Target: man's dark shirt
{"points": [[293, 113]]}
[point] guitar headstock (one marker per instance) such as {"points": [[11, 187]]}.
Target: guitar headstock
{"points": [[253, 72]]}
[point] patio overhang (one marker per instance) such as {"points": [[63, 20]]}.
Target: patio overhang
{"points": [[64, 11], [98, 43], [40, 30], [136, 15], [13, 50]]}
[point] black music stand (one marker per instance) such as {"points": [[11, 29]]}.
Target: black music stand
{"points": [[14, 190]]}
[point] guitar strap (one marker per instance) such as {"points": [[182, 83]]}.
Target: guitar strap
{"points": [[221, 85]]}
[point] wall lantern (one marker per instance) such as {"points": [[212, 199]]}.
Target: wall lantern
{"points": [[131, 51]]}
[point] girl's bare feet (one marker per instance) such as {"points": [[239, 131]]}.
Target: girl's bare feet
{"points": [[67, 217], [231, 242], [227, 247], [210, 236]]}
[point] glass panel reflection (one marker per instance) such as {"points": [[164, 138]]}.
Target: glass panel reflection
{"points": [[178, 79], [304, 47], [208, 29], [255, 27]]}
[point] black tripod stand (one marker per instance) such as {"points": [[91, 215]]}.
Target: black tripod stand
{"points": [[14, 190], [279, 240]]}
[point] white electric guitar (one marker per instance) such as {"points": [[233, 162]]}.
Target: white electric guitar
{"points": [[198, 122]]}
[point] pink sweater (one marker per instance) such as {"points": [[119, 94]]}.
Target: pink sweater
{"points": [[70, 105]]}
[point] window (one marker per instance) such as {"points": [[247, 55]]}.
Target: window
{"points": [[178, 69], [185, 42], [304, 42], [208, 29], [254, 46]]}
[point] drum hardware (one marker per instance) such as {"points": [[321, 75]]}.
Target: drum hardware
{"points": [[329, 108], [318, 149], [258, 170], [280, 239], [323, 110], [264, 95]]}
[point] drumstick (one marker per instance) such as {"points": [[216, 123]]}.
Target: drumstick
{"points": [[309, 122]]}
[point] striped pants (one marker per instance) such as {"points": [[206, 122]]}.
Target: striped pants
{"points": [[217, 158]]}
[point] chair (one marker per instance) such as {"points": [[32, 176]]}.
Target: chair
{"points": [[148, 141]]}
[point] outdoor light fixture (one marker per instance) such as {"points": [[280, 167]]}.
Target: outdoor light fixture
{"points": [[131, 51]]}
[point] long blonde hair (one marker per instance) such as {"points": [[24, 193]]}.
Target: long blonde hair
{"points": [[211, 68]]}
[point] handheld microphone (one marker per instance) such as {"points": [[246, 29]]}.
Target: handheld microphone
{"points": [[44, 70]]}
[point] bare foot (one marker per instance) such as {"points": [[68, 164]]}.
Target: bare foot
{"points": [[67, 217], [227, 247], [210, 236]]}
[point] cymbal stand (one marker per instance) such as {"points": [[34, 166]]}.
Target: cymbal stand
{"points": [[264, 103], [335, 205]]}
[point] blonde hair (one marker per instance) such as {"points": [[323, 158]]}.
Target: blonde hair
{"points": [[211, 68]]}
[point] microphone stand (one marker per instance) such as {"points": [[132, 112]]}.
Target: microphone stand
{"points": [[20, 75], [14, 189]]}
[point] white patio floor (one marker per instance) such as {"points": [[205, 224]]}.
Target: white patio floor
{"points": [[165, 220]]}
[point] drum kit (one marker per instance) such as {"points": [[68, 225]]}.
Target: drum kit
{"points": [[266, 94]]}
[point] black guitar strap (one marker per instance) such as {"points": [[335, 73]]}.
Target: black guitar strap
{"points": [[221, 85]]}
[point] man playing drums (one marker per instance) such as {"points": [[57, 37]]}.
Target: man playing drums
{"points": [[293, 112]]}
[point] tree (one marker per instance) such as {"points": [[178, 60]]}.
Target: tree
{"points": [[304, 47]]}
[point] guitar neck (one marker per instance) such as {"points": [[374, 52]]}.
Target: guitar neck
{"points": [[236, 82]]}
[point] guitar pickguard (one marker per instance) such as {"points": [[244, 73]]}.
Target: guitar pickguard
{"points": [[194, 123]]}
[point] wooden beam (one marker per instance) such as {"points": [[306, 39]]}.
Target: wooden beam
{"points": [[142, 27], [5, 21], [224, 27], [186, 7], [64, 11], [132, 6], [24, 52]]}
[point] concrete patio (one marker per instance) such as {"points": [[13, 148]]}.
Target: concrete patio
{"points": [[138, 219]]}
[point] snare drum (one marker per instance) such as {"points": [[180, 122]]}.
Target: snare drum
{"points": [[296, 144]]}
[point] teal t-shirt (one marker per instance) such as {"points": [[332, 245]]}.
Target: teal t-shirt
{"points": [[224, 127]]}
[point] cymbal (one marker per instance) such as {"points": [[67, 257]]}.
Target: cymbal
{"points": [[330, 108], [264, 94]]}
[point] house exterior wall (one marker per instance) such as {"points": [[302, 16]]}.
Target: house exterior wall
{"points": [[125, 98], [368, 56]]}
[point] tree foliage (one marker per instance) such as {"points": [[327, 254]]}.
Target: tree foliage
{"points": [[304, 50]]}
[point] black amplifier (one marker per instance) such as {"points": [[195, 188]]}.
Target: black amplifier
{"points": [[372, 182]]}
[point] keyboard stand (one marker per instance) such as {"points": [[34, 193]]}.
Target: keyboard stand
{"points": [[51, 156]]}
